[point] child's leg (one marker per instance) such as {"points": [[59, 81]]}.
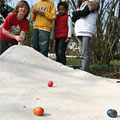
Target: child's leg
{"points": [[56, 49], [3, 46], [13, 43], [80, 44], [44, 38], [35, 38], [84, 44], [61, 57], [85, 52]]}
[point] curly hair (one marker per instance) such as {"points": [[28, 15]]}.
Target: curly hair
{"points": [[65, 4]]}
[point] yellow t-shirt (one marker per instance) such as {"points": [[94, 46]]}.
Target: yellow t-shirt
{"points": [[44, 22]]}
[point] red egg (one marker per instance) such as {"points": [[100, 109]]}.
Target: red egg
{"points": [[50, 83]]}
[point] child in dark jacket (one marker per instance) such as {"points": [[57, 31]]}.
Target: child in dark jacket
{"points": [[62, 32]]}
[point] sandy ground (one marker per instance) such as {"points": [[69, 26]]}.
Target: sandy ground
{"points": [[75, 95]]}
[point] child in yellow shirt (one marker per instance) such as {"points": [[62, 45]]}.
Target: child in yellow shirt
{"points": [[43, 13]]}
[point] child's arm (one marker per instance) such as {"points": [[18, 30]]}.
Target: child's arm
{"points": [[52, 31], [70, 28], [9, 34], [81, 13], [33, 13], [91, 6], [52, 34], [22, 35]]}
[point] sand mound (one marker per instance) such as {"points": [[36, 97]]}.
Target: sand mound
{"points": [[76, 95]]}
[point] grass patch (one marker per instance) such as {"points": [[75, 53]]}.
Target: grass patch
{"points": [[73, 61], [111, 71]]}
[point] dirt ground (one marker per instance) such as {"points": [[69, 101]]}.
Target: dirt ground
{"points": [[106, 72]]}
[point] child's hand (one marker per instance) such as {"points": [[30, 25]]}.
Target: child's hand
{"points": [[41, 13], [67, 40], [18, 38], [35, 12]]}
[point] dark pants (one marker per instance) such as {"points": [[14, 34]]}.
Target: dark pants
{"points": [[60, 49], [4, 45], [40, 41]]}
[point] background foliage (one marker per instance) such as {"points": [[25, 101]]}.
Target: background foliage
{"points": [[5, 9]]}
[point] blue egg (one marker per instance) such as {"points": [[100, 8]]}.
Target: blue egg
{"points": [[112, 113]]}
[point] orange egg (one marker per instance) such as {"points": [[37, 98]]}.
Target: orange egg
{"points": [[38, 111]]}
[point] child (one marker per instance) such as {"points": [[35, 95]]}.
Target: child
{"points": [[85, 27], [15, 26], [43, 13], [62, 31]]}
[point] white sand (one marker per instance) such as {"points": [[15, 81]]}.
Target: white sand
{"points": [[76, 95]]}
